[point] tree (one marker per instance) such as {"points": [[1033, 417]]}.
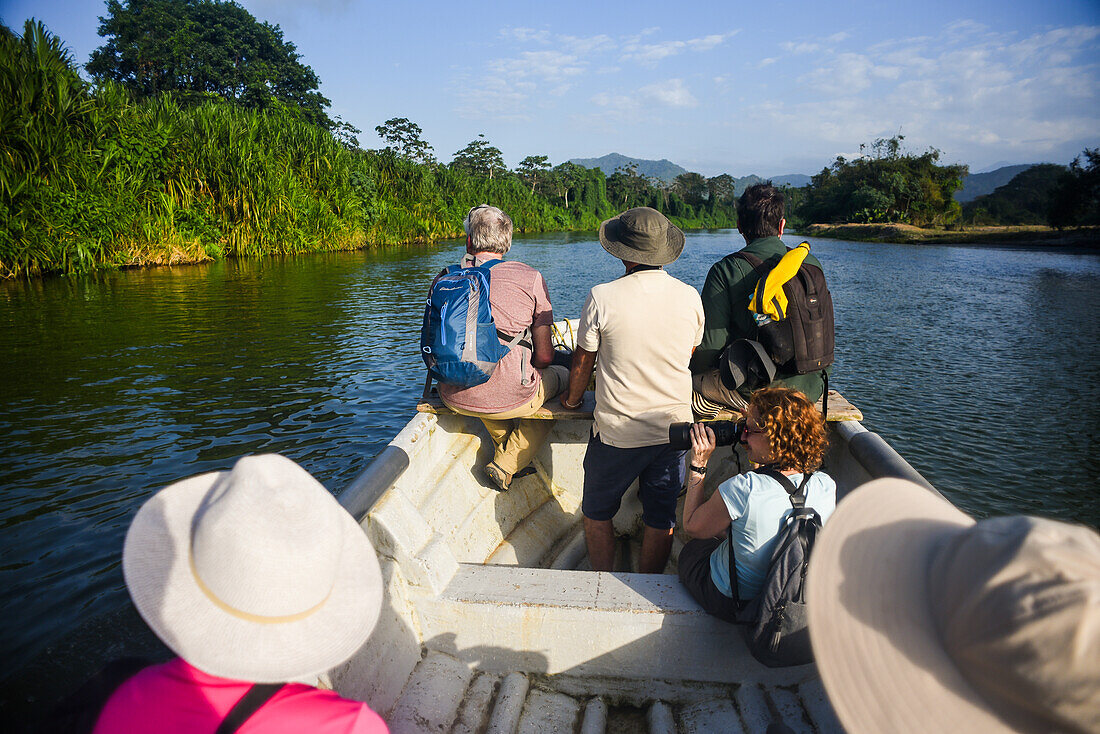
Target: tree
{"points": [[722, 189], [532, 168], [1075, 201], [1026, 199], [886, 185], [204, 47], [565, 177], [479, 158], [692, 187], [625, 188], [402, 137]]}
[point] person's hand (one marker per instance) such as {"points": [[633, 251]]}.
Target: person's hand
{"points": [[702, 444]]}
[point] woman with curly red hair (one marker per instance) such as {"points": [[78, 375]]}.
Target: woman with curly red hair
{"points": [[783, 432]]}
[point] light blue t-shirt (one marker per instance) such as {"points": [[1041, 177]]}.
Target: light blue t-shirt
{"points": [[759, 505]]}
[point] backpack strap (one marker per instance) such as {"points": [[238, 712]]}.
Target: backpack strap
{"points": [[797, 494], [798, 501], [251, 702], [523, 338]]}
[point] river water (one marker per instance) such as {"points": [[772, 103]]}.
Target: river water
{"points": [[980, 365]]}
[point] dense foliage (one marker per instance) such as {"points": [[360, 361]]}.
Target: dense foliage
{"points": [[94, 176], [88, 177], [1075, 200], [1025, 199], [885, 185], [202, 47]]}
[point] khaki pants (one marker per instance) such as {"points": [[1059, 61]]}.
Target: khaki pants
{"points": [[709, 385], [517, 441]]}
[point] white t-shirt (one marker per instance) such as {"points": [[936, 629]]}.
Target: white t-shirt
{"points": [[759, 505], [643, 327]]}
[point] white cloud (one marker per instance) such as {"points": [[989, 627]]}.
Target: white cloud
{"points": [[669, 93], [966, 90], [493, 97], [651, 53], [550, 65], [800, 48], [526, 35], [515, 82], [587, 45]]}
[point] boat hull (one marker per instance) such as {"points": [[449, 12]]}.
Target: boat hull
{"points": [[486, 586]]}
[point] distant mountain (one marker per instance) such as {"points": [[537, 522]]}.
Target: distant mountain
{"points": [[1025, 199], [794, 180], [664, 170], [667, 171], [980, 184]]}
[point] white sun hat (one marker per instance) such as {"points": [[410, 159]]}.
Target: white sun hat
{"points": [[923, 620], [254, 574]]}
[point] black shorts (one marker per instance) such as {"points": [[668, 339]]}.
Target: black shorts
{"points": [[694, 571], [609, 472]]}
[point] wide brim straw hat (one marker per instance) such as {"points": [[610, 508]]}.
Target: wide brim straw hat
{"points": [[922, 620], [254, 574], [642, 235]]}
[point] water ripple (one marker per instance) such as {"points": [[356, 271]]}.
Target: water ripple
{"points": [[979, 365]]}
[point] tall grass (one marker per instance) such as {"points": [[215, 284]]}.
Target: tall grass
{"points": [[90, 178]]}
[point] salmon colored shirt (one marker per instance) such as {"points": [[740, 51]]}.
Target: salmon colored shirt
{"points": [[519, 298], [178, 698]]}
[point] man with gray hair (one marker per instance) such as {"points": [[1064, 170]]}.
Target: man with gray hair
{"points": [[525, 378]]}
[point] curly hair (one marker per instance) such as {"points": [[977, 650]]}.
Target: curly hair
{"points": [[794, 427]]}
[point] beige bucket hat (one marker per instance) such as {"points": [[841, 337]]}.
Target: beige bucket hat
{"points": [[253, 574], [642, 235], [923, 620]]}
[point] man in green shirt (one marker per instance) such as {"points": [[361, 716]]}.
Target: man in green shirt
{"points": [[726, 294]]}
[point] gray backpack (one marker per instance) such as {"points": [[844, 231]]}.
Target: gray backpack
{"points": [[777, 631]]}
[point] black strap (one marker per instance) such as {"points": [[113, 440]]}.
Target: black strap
{"points": [[525, 340], [797, 494], [798, 500], [825, 397], [250, 703], [639, 268]]}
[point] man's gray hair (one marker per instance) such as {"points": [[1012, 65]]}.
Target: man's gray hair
{"points": [[489, 229]]}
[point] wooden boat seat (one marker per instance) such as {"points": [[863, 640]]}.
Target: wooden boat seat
{"points": [[839, 409]]}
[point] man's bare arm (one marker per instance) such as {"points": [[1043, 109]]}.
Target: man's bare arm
{"points": [[579, 375]]}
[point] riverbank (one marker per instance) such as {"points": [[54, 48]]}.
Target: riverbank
{"points": [[1078, 238]]}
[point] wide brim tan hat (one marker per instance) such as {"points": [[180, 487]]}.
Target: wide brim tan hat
{"points": [[896, 564], [254, 574], [642, 235]]}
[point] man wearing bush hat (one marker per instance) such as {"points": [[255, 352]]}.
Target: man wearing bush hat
{"points": [[644, 326]]}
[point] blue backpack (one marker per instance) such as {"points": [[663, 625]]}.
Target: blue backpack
{"points": [[459, 341]]}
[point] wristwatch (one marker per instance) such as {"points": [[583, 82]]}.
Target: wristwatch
{"points": [[699, 469]]}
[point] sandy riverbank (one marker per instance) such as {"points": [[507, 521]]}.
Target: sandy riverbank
{"points": [[1083, 237]]}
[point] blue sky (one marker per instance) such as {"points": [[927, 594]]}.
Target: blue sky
{"points": [[767, 88]]}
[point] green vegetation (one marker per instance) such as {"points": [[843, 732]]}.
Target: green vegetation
{"points": [[886, 185], [1026, 199], [131, 170], [91, 178], [199, 47], [1075, 200], [889, 187]]}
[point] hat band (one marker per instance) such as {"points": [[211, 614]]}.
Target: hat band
{"points": [[248, 616]]}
